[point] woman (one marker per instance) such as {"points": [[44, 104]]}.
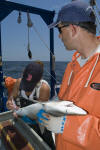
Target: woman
{"points": [[31, 87]]}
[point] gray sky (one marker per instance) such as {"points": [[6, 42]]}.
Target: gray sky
{"points": [[15, 38]]}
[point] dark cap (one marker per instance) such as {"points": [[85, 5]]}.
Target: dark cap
{"points": [[74, 12], [31, 76]]}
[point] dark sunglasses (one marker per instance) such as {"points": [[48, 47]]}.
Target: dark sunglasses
{"points": [[59, 28]]}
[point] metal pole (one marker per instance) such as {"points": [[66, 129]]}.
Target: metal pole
{"points": [[1, 75], [52, 64]]}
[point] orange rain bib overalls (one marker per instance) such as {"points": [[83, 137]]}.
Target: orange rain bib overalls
{"points": [[81, 132]]}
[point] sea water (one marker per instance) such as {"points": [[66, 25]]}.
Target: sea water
{"points": [[15, 69]]}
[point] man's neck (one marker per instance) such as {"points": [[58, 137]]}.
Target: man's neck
{"points": [[89, 48]]}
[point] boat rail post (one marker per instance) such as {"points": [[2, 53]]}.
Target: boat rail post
{"points": [[1, 76], [52, 63]]}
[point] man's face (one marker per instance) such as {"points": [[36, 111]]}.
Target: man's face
{"points": [[65, 34]]}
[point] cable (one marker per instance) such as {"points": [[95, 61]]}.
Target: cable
{"points": [[42, 39]]}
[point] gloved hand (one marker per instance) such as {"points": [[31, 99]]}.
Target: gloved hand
{"points": [[54, 124], [28, 120], [42, 116]]}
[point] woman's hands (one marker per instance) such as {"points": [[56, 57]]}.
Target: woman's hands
{"points": [[11, 104]]}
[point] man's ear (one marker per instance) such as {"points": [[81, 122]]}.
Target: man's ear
{"points": [[74, 29]]}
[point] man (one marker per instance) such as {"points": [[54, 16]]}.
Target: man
{"points": [[81, 81], [30, 87]]}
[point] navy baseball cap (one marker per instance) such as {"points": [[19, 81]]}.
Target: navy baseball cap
{"points": [[74, 12], [31, 76]]}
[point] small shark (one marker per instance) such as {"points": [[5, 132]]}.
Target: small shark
{"points": [[54, 108]]}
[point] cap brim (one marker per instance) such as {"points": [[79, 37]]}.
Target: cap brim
{"points": [[52, 25]]}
